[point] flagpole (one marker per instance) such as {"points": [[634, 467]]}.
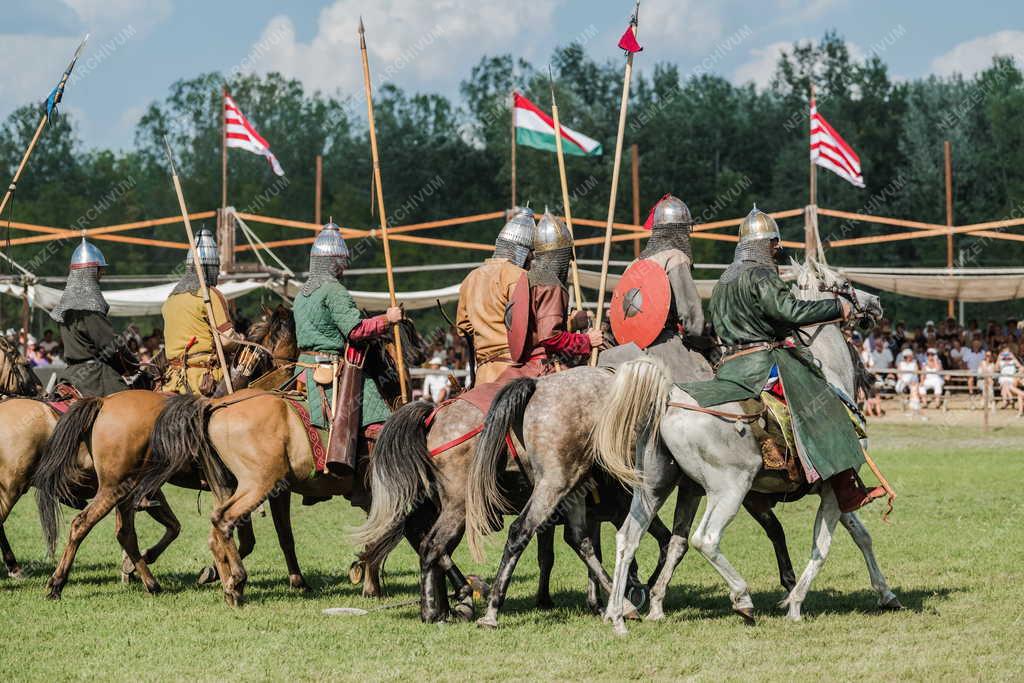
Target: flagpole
{"points": [[204, 291], [814, 168], [623, 104], [565, 195], [224, 150], [812, 242], [399, 360], [513, 144]]}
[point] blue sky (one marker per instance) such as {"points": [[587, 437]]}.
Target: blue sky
{"points": [[139, 47]]}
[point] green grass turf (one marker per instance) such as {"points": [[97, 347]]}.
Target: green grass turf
{"points": [[952, 554]]}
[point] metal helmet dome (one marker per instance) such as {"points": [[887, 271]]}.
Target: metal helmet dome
{"points": [[758, 226], [329, 242], [550, 234], [206, 249], [87, 255], [671, 211], [519, 228]]}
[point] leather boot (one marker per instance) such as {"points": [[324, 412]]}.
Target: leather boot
{"points": [[851, 492]]}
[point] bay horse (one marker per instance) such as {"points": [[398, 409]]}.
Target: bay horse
{"points": [[724, 462], [102, 445], [252, 448]]}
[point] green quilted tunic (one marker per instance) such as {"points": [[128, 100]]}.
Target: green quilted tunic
{"points": [[759, 307], [323, 320]]}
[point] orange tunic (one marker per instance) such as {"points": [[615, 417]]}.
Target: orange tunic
{"points": [[483, 296]]}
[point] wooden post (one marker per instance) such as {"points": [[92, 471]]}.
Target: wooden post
{"points": [[317, 202], [623, 105], [224, 150], [399, 360], [948, 149], [226, 239], [566, 209], [204, 291], [513, 143], [634, 153]]}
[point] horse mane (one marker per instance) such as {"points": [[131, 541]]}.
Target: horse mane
{"points": [[16, 376]]}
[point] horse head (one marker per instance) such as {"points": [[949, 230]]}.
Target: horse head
{"points": [[16, 376], [816, 281]]}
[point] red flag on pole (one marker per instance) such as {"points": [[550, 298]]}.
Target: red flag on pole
{"points": [[628, 41]]}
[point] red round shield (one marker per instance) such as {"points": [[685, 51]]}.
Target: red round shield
{"points": [[517, 319], [640, 304]]}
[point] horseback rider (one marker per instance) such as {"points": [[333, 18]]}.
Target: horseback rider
{"points": [[331, 332], [755, 314], [188, 334], [97, 357], [656, 307], [484, 295], [538, 339]]}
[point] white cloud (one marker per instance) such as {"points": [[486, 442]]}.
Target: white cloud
{"points": [[31, 66], [672, 27], [107, 17], [974, 55], [428, 40], [761, 66]]}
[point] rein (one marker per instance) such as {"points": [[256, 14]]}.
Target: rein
{"points": [[746, 418]]}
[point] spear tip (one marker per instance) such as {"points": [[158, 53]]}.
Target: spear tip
{"points": [[362, 30]]}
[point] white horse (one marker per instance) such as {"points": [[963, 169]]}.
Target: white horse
{"points": [[722, 457]]}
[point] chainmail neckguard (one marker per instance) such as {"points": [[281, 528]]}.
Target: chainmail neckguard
{"points": [[516, 253], [669, 236], [189, 282], [749, 254], [81, 294], [323, 269], [550, 267]]}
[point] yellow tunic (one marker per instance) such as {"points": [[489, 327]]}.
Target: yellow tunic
{"points": [[185, 318], [483, 296]]}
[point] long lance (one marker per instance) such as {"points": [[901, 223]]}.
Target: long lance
{"points": [[56, 95], [204, 291], [615, 182], [399, 360], [565, 193]]}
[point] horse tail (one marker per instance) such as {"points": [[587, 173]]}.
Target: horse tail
{"points": [[58, 475], [180, 437], [636, 403], [485, 502], [401, 476]]}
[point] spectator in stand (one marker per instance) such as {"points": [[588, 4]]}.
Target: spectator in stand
{"points": [[933, 379], [906, 379], [36, 356], [48, 343], [879, 358], [899, 336], [435, 385], [1010, 380], [955, 354], [972, 359], [988, 368]]}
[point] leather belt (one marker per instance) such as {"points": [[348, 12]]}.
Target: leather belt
{"points": [[746, 349]]}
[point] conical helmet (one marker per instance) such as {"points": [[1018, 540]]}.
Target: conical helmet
{"points": [[329, 242], [516, 238], [87, 255], [758, 226], [206, 249], [550, 234], [672, 211]]}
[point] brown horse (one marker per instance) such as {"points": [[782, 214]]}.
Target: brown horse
{"points": [[251, 448], [102, 446]]}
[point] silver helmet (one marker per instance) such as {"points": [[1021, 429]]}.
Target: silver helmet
{"points": [[552, 251], [87, 255], [516, 238], [82, 292], [209, 260], [754, 248], [328, 258], [671, 227]]}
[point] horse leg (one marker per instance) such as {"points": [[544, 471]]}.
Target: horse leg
{"points": [[246, 544], [163, 515], [538, 509], [887, 600], [724, 502], [687, 502], [777, 535], [442, 538], [594, 533], [10, 562], [231, 514], [129, 541], [81, 525], [545, 562], [824, 526], [281, 512]]}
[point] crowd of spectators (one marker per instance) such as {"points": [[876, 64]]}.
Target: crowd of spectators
{"points": [[911, 360]]}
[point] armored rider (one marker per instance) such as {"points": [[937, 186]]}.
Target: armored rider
{"points": [[538, 338], [754, 314], [188, 333], [331, 333], [486, 291], [97, 357]]}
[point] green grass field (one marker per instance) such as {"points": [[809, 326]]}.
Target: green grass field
{"points": [[952, 554]]}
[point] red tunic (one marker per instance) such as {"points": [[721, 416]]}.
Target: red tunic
{"points": [[546, 336]]}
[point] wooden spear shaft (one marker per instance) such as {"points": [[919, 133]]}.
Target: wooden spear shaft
{"points": [[204, 291], [623, 105], [565, 200], [400, 359], [24, 161]]}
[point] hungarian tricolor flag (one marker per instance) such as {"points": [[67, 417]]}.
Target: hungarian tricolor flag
{"points": [[829, 150], [536, 129], [238, 132]]}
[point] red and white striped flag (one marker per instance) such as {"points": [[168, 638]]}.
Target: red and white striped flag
{"points": [[829, 150], [238, 132]]}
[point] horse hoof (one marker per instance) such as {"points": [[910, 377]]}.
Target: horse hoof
{"points": [[893, 604], [355, 573], [464, 612], [155, 589], [748, 615], [595, 608], [487, 623], [655, 615], [297, 582], [233, 600], [619, 629], [637, 595], [54, 594], [481, 591], [207, 576], [17, 574]]}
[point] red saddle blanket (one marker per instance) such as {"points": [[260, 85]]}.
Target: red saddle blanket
{"points": [[315, 436], [60, 407]]}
